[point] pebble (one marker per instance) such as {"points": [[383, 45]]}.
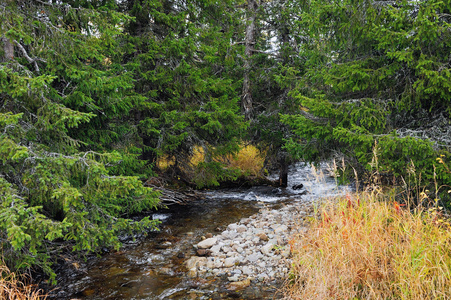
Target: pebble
{"points": [[207, 243]]}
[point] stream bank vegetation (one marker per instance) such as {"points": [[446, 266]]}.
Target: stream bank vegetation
{"points": [[14, 288], [381, 243], [246, 166], [94, 94]]}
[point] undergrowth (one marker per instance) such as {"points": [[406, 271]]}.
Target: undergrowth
{"points": [[368, 246], [13, 289], [204, 172]]}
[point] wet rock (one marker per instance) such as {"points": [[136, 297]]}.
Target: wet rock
{"points": [[165, 244], [192, 273], [238, 285], [195, 261], [251, 197], [166, 271], [207, 243], [209, 235], [203, 252], [276, 191], [298, 186], [88, 292]]}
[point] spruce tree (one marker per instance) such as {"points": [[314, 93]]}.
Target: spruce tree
{"points": [[376, 85], [62, 96], [183, 63]]}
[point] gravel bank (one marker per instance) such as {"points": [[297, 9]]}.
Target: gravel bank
{"points": [[256, 249]]}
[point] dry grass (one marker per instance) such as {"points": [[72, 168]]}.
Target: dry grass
{"points": [[364, 248], [13, 289]]}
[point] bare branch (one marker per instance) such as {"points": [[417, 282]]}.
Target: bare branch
{"points": [[313, 118], [25, 54]]}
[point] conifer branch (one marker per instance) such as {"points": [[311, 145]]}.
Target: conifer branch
{"points": [[27, 57]]}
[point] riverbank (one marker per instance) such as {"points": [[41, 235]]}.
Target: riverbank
{"points": [[252, 253], [245, 222], [256, 249]]}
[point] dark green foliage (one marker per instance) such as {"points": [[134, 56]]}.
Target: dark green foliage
{"points": [[92, 93], [375, 72], [182, 61], [63, 96]]}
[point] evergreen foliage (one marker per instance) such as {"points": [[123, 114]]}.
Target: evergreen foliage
{"points": [[184, 65], [375, 72], [63, 95], [92, 93]]}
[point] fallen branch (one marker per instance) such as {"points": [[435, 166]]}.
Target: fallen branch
{"points": [[169, 196]]}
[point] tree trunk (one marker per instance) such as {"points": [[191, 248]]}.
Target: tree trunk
{"points": [[8, 48], [283, 175], [246, 100]]}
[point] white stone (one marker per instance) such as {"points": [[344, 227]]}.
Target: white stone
{"points": [[281, 229], [215, 249], [195, 261], [247, 270], [219, 263], [232, 227], [229, 262], [207, 243], [210, 263], [266, 249], [241, 229], [233, 278]]}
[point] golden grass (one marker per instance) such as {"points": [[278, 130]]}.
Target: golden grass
{"points": [[13, 289], [363, 248]]}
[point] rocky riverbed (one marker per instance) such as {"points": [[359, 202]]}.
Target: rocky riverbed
{"points": [[252, 251], [231, 244]]}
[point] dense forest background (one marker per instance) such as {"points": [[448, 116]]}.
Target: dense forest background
{"points": [[94, 93]]}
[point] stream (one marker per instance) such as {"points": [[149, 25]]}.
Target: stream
{"points": [[153, 267]]}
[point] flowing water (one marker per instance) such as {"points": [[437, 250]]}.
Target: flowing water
{"points": [[153, 267]]}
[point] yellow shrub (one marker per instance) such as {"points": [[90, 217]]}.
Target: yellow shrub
{"points": [[248, 159]]}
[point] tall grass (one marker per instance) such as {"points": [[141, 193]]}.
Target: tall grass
{"points": [[13, 289], [360, 247]]}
